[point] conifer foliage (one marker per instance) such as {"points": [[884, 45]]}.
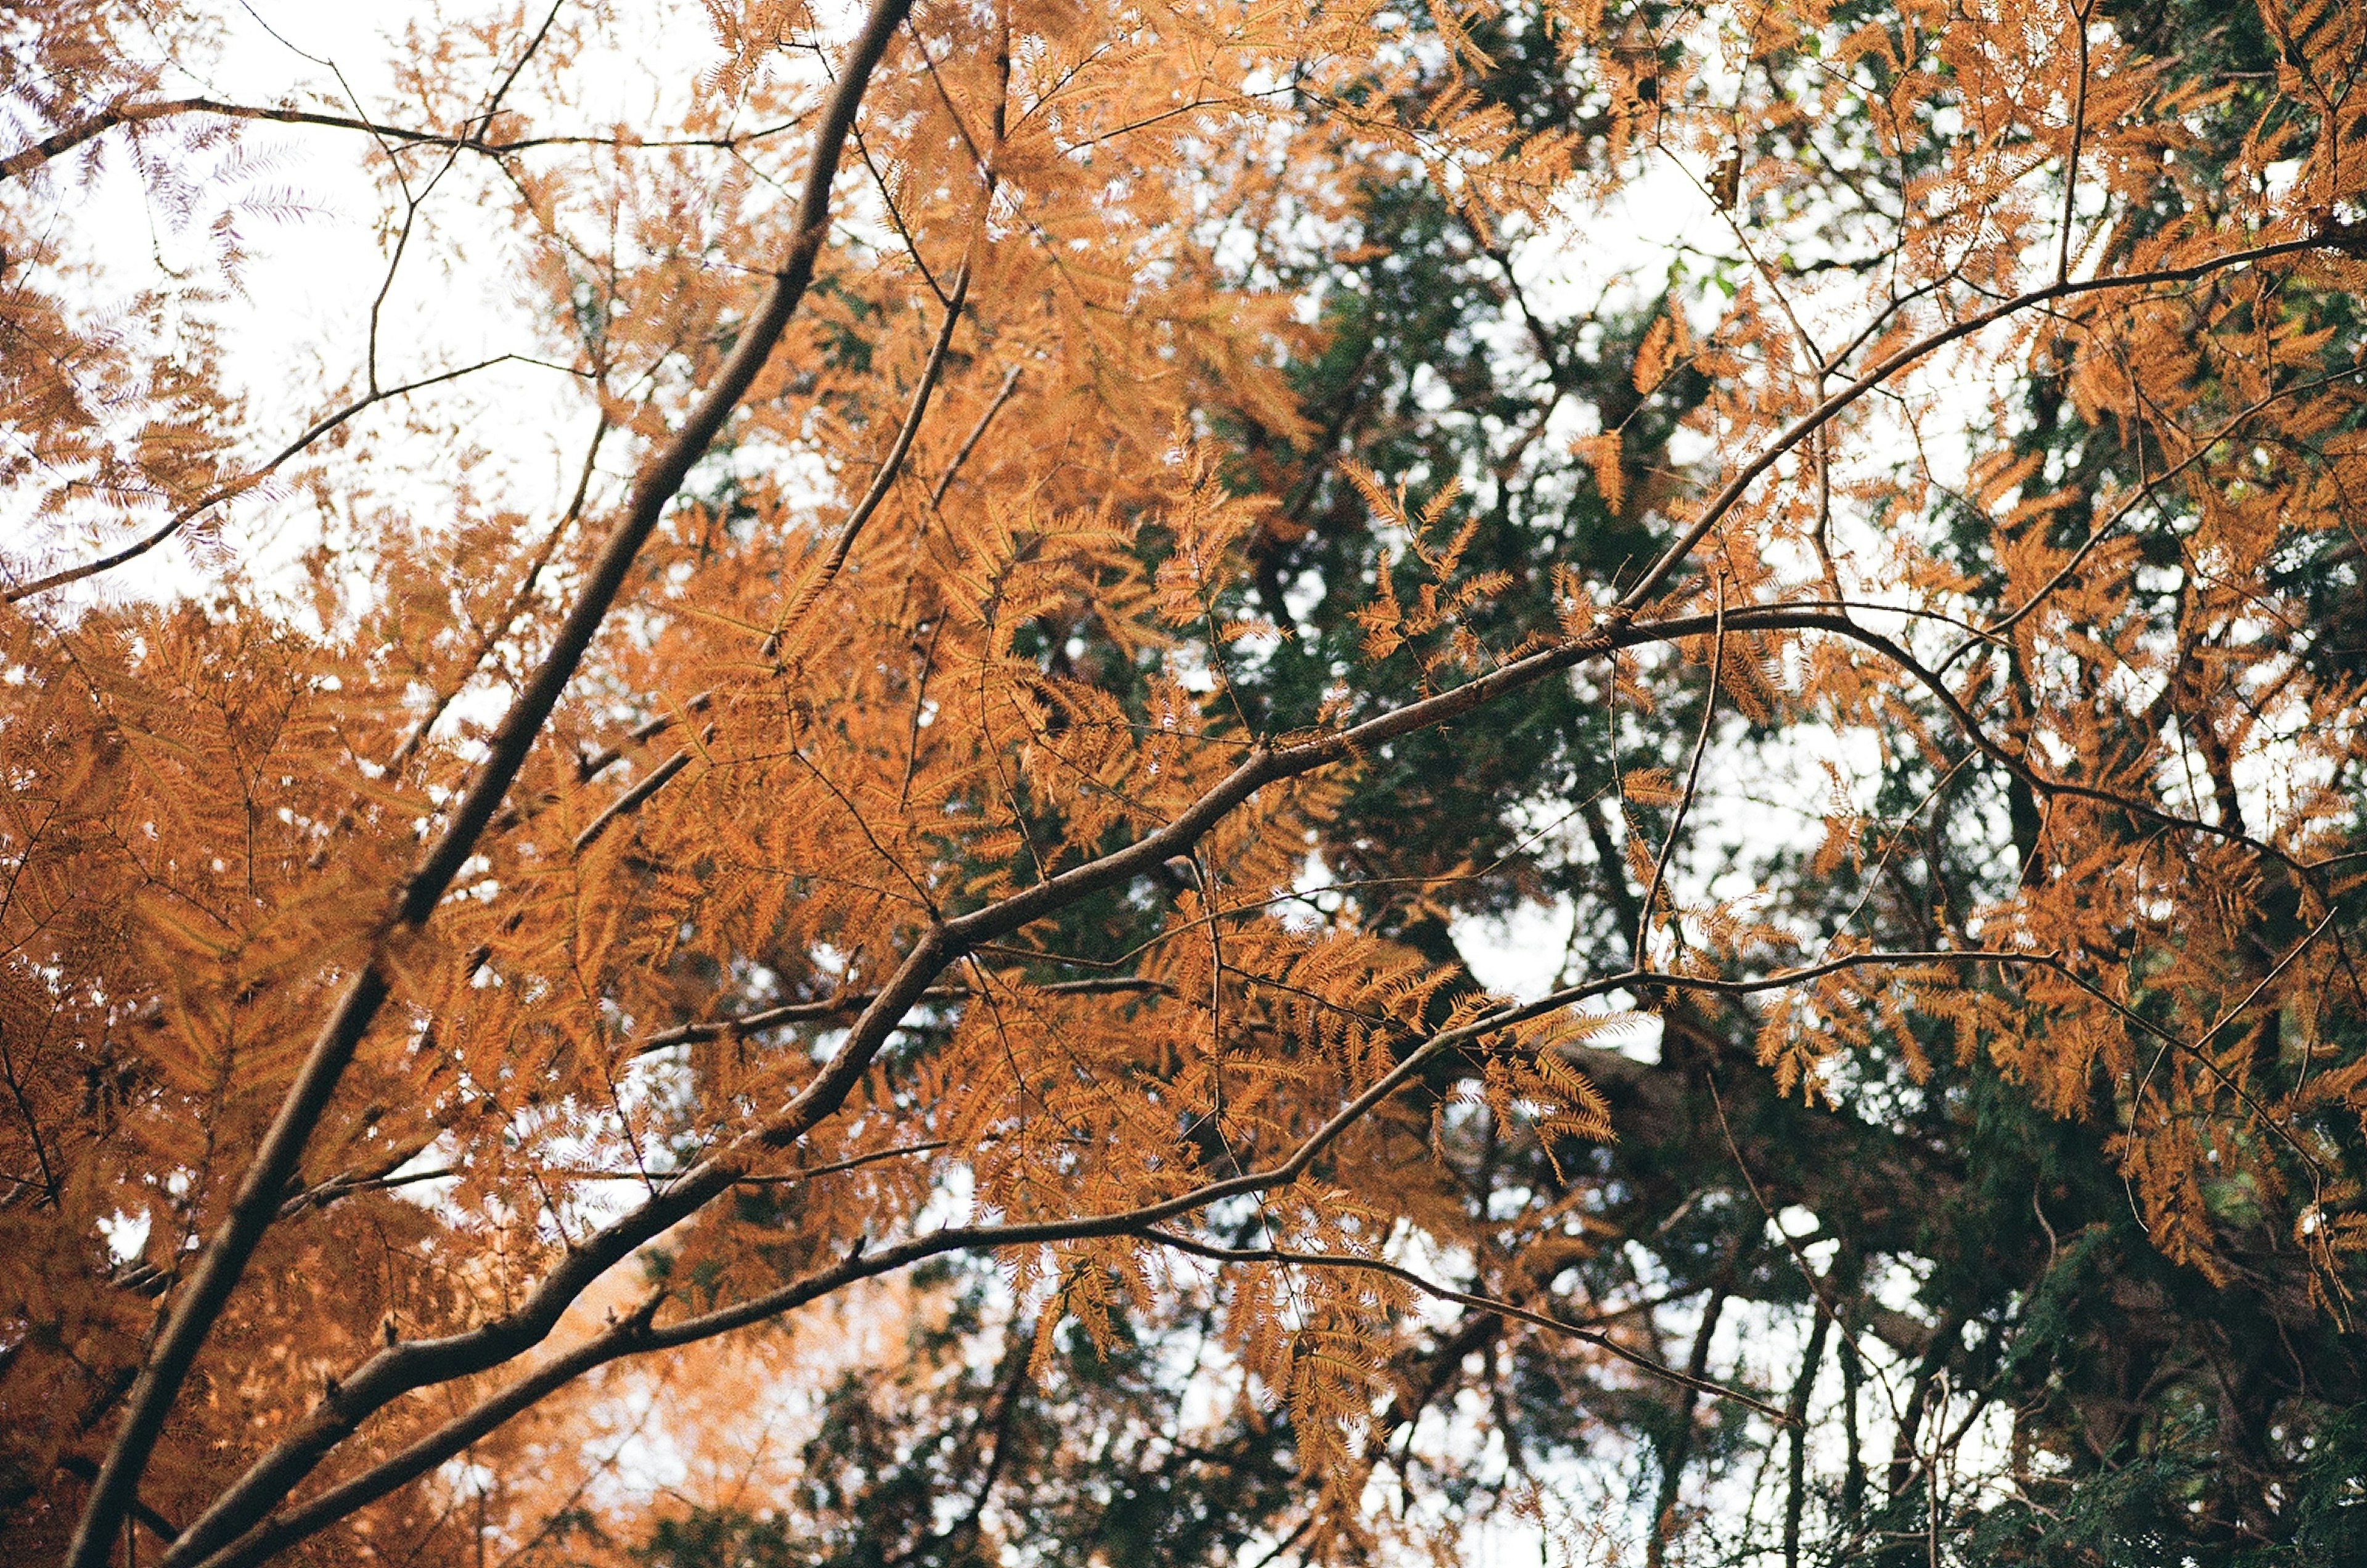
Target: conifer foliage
{"points": [[897, 970]]}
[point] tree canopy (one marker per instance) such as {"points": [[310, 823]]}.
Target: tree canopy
{"points": [[1265, 782]]}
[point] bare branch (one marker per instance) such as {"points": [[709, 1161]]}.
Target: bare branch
{"points": [[22, 163], [230, 490]]}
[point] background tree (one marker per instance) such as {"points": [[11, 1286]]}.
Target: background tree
{"points": [[1107, 558]]}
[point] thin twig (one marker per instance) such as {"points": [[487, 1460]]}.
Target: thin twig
{"points": [[230, 490], [23, 161], [1637, 1359], [890, 467], [976, 433], [2329, 236], [1685, 801], [633, 799]]}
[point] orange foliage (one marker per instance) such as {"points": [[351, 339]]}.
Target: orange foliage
{"points": [[737, 944]]}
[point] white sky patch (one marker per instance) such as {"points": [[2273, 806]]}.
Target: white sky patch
{"points": [[1519, 955], [126, 1234]]}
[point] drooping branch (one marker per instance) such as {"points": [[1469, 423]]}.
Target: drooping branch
{"points": [[243, 484], [1691, 1381]]}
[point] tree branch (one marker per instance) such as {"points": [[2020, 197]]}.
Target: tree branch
{"points": [[1691, 1381], [403, 1368], [230, 490], [2330, 237], [200, 1302], [23, 161]]}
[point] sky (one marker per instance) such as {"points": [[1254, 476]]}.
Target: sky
{"points": [[313, 222]]}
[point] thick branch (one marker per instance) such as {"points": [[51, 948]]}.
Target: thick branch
{"points": [[635, 1336], [82, 1469], [201, 1302], [400, 1370]]}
